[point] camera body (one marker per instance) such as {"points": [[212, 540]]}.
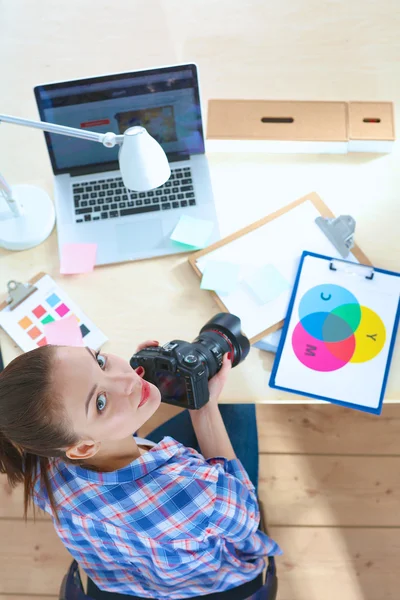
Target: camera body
{"points": [[178, 370], [181, 370]]}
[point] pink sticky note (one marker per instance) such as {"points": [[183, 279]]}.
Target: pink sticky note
{"points": [[64, 332], [77, 258]]}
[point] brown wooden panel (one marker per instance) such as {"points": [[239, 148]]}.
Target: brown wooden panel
{"points": [[325, 428], [306, 429], [371, 121], [332, 564], [315, 429], [33, 561], [306, 490], [29, 597], [326, 490], [12, 503], [357, 563], [262, 120]]}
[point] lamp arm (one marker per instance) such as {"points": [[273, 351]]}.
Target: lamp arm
{"points": [[142, 160], [107, 139], [6, 194]]}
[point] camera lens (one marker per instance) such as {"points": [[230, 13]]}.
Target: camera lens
{"points": [[228, 327], [219, 335]]}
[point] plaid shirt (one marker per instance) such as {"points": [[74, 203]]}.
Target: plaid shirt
{"points": [[171, 524]]}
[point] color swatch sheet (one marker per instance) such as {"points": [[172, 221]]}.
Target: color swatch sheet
{"points": [[26, 323], [268, 258], [339, 333]]}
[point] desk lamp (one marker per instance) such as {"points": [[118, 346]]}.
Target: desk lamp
{"points": [[30, 218]]}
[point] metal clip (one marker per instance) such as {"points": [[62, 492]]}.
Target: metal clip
{"points": [[339, 231], [18, 292], [350, 268]]}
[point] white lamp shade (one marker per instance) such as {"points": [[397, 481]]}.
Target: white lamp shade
{"points": [[143, 163]]}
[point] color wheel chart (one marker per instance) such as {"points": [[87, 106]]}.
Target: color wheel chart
{"points": [[334, 329], [339, 333]]}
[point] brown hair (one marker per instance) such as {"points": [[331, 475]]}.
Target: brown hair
{"points": [[33, 428]]}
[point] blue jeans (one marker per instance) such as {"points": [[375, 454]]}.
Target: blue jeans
{"points": [[241, 425]]}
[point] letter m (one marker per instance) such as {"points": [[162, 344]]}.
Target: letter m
{"points": [[310, 350]]}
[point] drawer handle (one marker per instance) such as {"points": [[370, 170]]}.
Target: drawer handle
{"points": [[277, 120]]}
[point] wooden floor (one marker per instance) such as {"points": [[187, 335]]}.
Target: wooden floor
{"points": [[330, 483]]}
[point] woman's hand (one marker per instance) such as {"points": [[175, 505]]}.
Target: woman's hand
{"points": [[207, 422], [216, 383], [146, 344]]}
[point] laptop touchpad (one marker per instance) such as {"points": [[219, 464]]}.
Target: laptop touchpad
{"points": [[143, 235]]}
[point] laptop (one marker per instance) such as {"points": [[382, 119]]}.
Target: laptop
{"points": [[92, 204]]}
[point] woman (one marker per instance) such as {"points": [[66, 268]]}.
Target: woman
{"points": [[144, 518]]}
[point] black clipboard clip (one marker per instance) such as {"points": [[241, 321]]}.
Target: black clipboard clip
{"points": [[350, 268], [18, 292]]}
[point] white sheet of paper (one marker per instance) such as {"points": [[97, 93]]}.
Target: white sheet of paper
{"points": [[280, 242]]}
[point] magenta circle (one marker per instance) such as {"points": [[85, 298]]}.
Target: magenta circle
{"points": [[313, 353]]}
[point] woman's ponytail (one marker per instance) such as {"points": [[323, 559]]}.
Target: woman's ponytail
{"points": [[11, 461], [20, 467], [32, 424]]}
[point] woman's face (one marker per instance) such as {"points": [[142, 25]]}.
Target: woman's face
{"points": [[105, 399]]}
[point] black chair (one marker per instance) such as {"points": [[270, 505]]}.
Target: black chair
{"points": [[72, 587]]}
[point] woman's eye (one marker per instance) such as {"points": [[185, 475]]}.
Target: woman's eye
{"points": [[101, 359], [101, 402]]}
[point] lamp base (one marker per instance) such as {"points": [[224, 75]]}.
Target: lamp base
{"points": [[35, 223]]}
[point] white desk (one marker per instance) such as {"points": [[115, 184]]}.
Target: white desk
{"points": [[264, 52]]}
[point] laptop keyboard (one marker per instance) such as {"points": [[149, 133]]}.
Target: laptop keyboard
{"points": [[109, 198]]}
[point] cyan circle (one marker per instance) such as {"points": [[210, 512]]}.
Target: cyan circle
{"points": [[323, 299]]}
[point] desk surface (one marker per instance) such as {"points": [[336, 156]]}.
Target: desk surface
{"points": [[278, 55]]}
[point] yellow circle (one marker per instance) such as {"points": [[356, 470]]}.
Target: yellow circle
{"points": [[370, 336]]}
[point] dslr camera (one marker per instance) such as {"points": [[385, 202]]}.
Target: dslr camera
{"points": [[181, 370]]}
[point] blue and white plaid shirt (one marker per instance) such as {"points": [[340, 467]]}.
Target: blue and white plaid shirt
{"points": [[169, 525]]}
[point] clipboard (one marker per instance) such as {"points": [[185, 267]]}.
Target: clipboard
{"points": [[30, 306], [339, 334], [18, 292], [319, 209]]}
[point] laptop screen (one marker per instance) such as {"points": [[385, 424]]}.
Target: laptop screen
{"points": [[165, 101]]}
